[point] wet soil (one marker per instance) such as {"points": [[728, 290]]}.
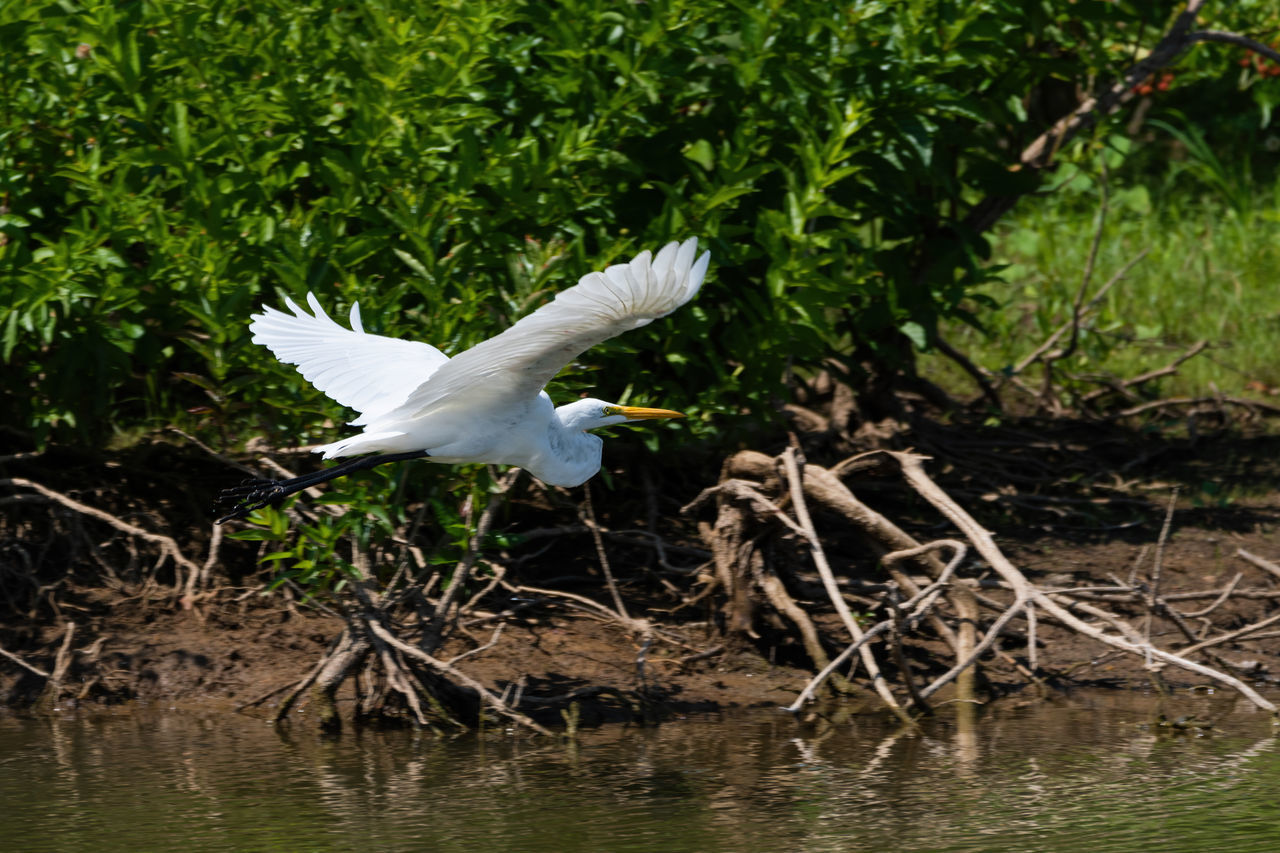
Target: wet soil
{"points": [[227, 653], [136, 645]]}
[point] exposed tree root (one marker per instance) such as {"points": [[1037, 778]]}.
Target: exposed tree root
{"points": [[166, 545], [748, 518]]}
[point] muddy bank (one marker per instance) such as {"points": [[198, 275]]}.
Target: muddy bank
{"points": [[548, 638], [226, 653]]}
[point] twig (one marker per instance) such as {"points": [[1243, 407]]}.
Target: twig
{"points": [[959, 551], [993, 633], [1137, 564], [1218, 402], [275, 691], [590, 520], [801, 509], [1024, 590], [711, 652], [1153, 595], [22, 663], [443, 668], [1237, 40], [1224, 638], [223, 458], [581, 599], [1265, 565], [493, 641], [817, 681], [1091, 261], [1031, 637], [987, 390], [1035, 355], [1143, 378], [1226, 593]]}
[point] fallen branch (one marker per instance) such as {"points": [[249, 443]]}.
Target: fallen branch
{"points": [[445, 669], [1233, 635], [22, 663], [1265, 565], [1180, 402], [792, 467], [1025, 590], [1125, 387]]}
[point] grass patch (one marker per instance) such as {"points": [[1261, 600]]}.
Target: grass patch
{"points": [[1210, 273]]}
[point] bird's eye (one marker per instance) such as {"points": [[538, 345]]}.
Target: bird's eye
{"points": [[609, 411]]}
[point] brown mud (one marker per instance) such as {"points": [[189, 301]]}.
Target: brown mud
{"points": [[136, 644]]}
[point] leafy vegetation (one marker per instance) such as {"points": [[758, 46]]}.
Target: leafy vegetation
{"points": [[167, 166], [1209, 275]]}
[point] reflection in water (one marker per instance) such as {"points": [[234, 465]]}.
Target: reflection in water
{"points": [[1084, 774]]}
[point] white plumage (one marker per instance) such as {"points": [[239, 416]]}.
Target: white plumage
{"points": [[487, 404]]}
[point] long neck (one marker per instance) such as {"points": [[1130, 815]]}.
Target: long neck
{"points": [[572, 455]]}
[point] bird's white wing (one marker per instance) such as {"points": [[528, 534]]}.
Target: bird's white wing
{"points": [[372, 374], [516, 364]]}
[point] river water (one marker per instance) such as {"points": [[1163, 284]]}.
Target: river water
{"points": [[1085, 773]]}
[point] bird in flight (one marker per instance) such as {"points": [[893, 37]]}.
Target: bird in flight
{"points": [[486, 404]]}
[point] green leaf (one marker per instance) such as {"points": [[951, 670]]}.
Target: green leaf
{"points": [[916, 333], [701, 153]]}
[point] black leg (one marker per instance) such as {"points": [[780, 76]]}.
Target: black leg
{"points": [[257, 493]]}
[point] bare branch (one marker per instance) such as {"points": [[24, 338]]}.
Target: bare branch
{"points": [[1130, 641], [443, 668], [801, 509]]}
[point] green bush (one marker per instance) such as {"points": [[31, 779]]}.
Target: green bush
{"points": [[168, 166]]}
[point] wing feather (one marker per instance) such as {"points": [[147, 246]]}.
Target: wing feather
{"points": [[517, 363], [372, 374]]}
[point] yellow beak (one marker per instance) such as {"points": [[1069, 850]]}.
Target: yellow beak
{"points": [[637, 413]]}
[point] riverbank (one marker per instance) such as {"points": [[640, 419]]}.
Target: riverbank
{"points": [[234, 650], [549, 640]]}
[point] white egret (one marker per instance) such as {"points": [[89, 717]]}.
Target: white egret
{"points": [[486, 404]]}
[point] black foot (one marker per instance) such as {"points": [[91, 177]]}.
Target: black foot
{"points": [[257, 493], [250, 495]]}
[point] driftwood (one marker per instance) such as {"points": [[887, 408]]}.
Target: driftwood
{"points": [[764, 507]]}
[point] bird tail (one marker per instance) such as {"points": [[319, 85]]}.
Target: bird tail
{"points": [[365, 442]]}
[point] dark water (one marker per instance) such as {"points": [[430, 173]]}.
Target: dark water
{"points": [[1080, 774]]}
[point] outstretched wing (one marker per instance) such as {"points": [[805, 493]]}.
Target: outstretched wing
{"points": [[517, 364], [372, 374]]}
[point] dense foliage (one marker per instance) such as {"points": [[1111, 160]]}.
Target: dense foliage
{"points": [[167, 166]]}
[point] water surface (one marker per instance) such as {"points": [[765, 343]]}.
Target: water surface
{"points": [[1085, 773]]}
